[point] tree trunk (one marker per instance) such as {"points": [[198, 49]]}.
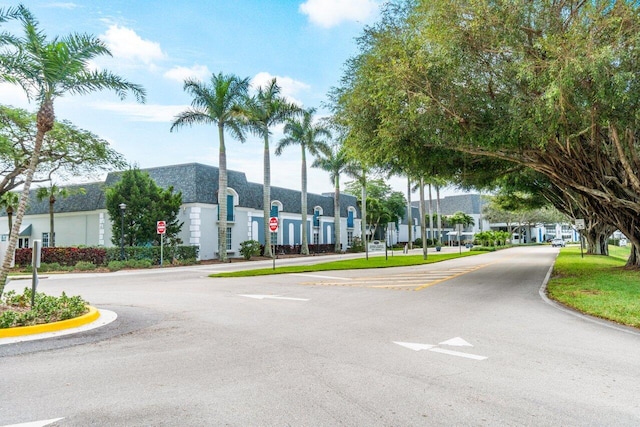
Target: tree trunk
{"points": [[222, 197], [336, 214], [266, 198], [439, 214], [303, 203], [45, 120], [597, 238], [423, 228], [431, 214], [52, 234], [363, 221], [409, 216]]}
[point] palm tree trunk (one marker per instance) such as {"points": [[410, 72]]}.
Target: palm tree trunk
{"points": [[52, 238], [303, 203], [266, 197], [336, 214], [431, 213], [45, 120], [363, 221], [10, 218], [409, 216], [423, 229], [439, 214], [222, 197]]}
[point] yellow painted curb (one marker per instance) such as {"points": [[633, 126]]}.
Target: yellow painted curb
{"points": [[18, 331]]}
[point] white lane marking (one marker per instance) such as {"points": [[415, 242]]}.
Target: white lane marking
{"points": [[456, 342], [457, 353], [452, 342], [106, 317], [273, 297], [414, 346], [35, 423], [319, 276]]}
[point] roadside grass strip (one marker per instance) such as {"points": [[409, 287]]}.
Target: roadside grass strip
{"points": [[597, 285], [352, 264]]}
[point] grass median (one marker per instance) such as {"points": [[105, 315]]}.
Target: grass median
{"points": [[350, 264], [597, 285]]}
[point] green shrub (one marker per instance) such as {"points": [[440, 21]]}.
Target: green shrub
{"points": [[138, 263], [249, 248], [357, 245], [52, 266], [417, 243], [115, 265], [85, 266], [46, 309], [483, 249]]}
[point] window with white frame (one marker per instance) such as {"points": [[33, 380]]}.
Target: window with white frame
{"points": [[228, 238], [45, 240], [349, 238], [23, 242]]}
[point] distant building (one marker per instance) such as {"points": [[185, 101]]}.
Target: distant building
{"points": [[82, 219]]}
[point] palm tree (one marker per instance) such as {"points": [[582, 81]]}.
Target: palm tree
{"points": [[308, 136], [334, 160], [52, 193], [46, 70], [9, 201], [264, 110], [220, 103]]}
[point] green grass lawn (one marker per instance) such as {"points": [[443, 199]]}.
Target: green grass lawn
{"points": [[597, 285], [351, 264]]}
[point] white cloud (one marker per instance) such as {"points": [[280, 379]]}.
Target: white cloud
{"points": [[179, 74], [61, 5], [12, 94], [289, 87], [329, 13], [143, 112], [124, 43]]}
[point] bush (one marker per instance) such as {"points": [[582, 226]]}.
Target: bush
{"points": [[249, 248], [46, 309], [152, 253], [357, 245], [115, 265], [85, 266], [418, 243]]}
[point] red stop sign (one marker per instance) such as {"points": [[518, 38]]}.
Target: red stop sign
{"points": [[273, 224], [161, 227]]}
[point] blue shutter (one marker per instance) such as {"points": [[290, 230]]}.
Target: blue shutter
{"points": [[316, 218], [274, 211], [350, 219], [230, 208]]}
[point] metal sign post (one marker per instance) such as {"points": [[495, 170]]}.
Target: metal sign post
{"points": [[35, 263], [161, 228], [273, 227], [580, 225]]}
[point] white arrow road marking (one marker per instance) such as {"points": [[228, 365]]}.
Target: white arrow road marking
{"points": [[414, 346], [456, 342], [36, 423], [453, 342], [273, 297], [457, 353]]}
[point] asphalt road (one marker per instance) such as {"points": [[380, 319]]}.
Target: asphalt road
{"points": [[463, 342]]}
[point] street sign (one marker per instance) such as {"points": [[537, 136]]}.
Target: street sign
{"points": [[161, 227], [273, 224], [580, 225]]}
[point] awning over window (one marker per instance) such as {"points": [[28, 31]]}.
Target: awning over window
{"points": [[26, 231]]}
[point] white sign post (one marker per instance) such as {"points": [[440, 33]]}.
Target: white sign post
{"points": [[161, 229], [580, 225]]}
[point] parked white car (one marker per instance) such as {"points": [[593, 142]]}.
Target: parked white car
{"points": [[558, 243]]}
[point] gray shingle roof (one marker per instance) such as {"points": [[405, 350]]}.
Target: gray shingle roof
{"points": [[198, 184]]}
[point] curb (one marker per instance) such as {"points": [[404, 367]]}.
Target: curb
{"points": [[18, 331]]}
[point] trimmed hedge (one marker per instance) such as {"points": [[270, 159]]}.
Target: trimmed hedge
{"points": [[70, 256]]}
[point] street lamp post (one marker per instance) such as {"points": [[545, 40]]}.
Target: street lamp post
{"points": [[123, 206]]}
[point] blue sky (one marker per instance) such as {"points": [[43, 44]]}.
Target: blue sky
{"points": [[157, 44]]}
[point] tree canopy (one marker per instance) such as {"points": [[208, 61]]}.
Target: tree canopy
{"points": [[549, 85], [146, 203]]}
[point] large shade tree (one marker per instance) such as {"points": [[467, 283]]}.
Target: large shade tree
{"points": [[218, 102], [266, 109], [310, 136], [549, 85], [67, 151], [48, 69]]}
